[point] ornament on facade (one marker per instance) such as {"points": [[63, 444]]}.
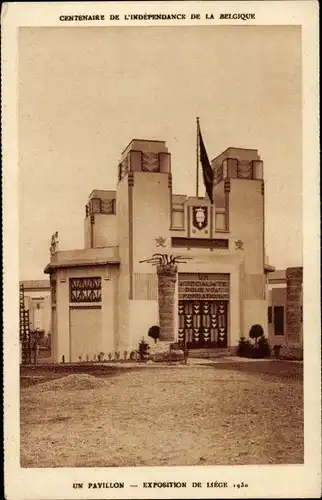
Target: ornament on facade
{"points": [[159, 259], [200, 217], [53, 285], [239, 245], [219, 174], [245, 170], [160, 241], [150, 162], [54, 244], [123, 167]]}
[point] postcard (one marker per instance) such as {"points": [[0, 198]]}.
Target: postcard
{"points": [[161, 250]]}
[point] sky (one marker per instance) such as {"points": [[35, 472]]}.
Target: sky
{"points": [[84, 93]]}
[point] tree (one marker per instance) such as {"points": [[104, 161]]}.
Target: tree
{"points": [[154, 332]]}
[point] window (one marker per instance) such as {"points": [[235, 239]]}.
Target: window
{"points": [[279, 320], [177, 216], [269, 313], [85, 290]]}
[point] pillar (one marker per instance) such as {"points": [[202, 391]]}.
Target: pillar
{"points": [[167, 277], [294, 280]]}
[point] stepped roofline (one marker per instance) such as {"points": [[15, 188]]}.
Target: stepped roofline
{"points": [[142, 140]]}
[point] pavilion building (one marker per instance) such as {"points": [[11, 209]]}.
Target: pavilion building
{"points": [[104, 299]]}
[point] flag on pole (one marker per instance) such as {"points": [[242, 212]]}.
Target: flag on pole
{"points": [[208, 175]]}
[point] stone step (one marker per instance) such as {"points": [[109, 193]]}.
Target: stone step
{"points": [[211, 353]]}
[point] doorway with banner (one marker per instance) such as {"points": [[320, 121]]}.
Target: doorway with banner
{"points": [[203, 310]]}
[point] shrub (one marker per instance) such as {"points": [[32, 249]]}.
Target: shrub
{"points": [[125, 355], [244, 348], [262, 349], [117, 355], [143, 349], [154, 332], [256, 332], [133, 355]]}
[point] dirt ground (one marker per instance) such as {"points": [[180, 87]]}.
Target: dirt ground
{"points": [[226, 413]]}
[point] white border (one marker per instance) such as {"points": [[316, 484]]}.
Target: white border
{"points": [[264, 481]]}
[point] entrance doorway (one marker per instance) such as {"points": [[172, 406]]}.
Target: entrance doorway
{"points": [[203, 323]]}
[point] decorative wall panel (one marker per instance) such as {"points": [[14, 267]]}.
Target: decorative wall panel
{"points": [[204, 287], [108, 206], [53, 288], [150, 162], [98, 206], [199, 243], [85, 290], [245, 170], [123, 167], [203, 323], [199, 217], [218, 174]]}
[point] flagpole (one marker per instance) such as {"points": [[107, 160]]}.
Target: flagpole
{"points": [[197, 160]]}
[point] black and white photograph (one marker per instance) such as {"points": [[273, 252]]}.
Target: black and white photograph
{"points": [[161, 299]]}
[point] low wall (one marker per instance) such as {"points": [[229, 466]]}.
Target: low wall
{"points": [[291, 353]]}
